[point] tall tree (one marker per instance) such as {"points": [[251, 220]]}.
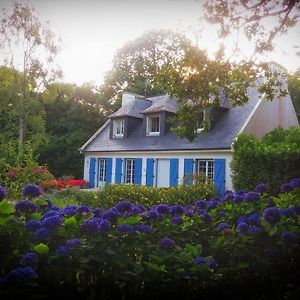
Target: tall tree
{"points": [[294, 89], [30, 47]]}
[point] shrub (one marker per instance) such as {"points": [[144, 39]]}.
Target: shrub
{"points": [[272, 160], [216, 249]]}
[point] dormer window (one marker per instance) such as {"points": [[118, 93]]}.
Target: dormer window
{"points": [[118, 128], [153, 125]]}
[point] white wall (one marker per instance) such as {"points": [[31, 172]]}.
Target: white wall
{"points": [[181, 155]]}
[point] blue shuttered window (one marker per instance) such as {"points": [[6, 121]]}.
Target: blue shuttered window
{"points": [[108, 170], [219, 175], [173, 171], [138, 170], [118, 177], [92, 172], [150, 171], [188, 170]]}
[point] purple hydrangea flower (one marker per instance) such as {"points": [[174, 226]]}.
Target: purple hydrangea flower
{"points": [[154, 215], [260, 188], [200, 260], [136, 211], [83, 209], [123, 207], [289, 238], [42, 235], [242, 219], [3, 193], [286, 187], [295, 182], [141, 207], [33, 225], [97, 212], [21, 274], [200, 204], [242, 227], [26, 206], [69, 210], [206, 217], [110, 214], [286, 212], [254, 230], [90, 226], [253, 218], [49, 214], [222, 226], [32, 190], [104, 225], [238, 198], [63, 251], [29, 259], [176, 210], [143, 228], [124, 228], [211, 262], [211, 204], [176, 220], [166, 243], [163, 209], [229, 196], [73, 243], [252, 197], [271, 215], [52, 222], [296, 209]]}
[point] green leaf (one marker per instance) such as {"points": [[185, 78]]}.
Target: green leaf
{"points": [[35, 216], [5, 218], [6, 207], [191, 249], [41, 202], [70, 221], [243, 265], [41, 249], [130, 220], [155, 267]]}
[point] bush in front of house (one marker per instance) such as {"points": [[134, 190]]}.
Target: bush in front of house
{"points": [[274, 159], [245, 245]]}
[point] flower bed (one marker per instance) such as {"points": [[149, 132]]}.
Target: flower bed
{"points": [[243, 245]]}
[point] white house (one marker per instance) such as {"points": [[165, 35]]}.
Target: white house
{"points": [[136, 145]]}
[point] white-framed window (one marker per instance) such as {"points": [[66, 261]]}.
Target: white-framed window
{"points": [[118, 128], [153, 125], [205, 168], [129, 171], [101, 170]]}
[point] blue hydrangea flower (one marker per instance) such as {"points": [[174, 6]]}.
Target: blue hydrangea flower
{"points": [[260, 188], [289, 238], [52, 222], [26, 206], [49, 214], [229, 196], [176, 220], [286, 212], [29, 259], [33, 225], [42, 235], [141, 207], [211, 204], [296, 209], [206, 218], [200, 204], [104, 225], [163, 209], [69, 210], [63, 251], [176, 210], [3, 193], [242, 219], [211, 262], [32, 190], [253, 218], [97, 212], [166, 243], [136, 211], [124, 228], [295, 182], [83, 209], [73, 243], [254, 230], [222, 226], [21, 274], [286, 187], [154, 215], [90, 226], [242, 227], [200, 260], [252, 197], [143, 228], [123, 207], [271, 215], [110, 214], [238, 198]]}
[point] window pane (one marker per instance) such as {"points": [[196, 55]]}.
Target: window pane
{"points": [[155, 124], [129, 174]]}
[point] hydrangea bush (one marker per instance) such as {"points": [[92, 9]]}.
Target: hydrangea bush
{"points": [[243, 245]]}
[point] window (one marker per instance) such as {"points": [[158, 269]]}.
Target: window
{"points": [[205, 168], [153, 125], [129, 171], [101, 169], [119, 128]]}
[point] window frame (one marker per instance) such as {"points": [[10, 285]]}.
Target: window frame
{"points": [[149, 125], [209, 168], [129, 172], [118, 125]]}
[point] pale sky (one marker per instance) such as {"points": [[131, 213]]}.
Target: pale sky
{"points": [[92, 30]]}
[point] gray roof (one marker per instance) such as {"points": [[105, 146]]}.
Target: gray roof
{"points": [[220, 136], [162, 103]]}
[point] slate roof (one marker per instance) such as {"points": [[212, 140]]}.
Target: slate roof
{"points": [[220, 136], [162, 103]]}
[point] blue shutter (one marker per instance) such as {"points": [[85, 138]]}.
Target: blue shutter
{"points": [[138, 170], [219, 175], [108, 170], [174, 172], [92, 172], [118, 177], [150, 171], [188, 170]]}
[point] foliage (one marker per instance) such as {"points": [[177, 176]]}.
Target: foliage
{"points": [[138, 194], [16, 169], [273, 159], [224, 248], [294, 89]]}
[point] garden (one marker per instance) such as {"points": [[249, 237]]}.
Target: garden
{"points": [[244, 245]]}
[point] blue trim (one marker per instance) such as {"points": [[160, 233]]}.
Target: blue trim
{"points": [[118, 177], [108, 170], [219, 175], [138, 170], [173, 171], [150, 171], [188, 170], [92, 172]]}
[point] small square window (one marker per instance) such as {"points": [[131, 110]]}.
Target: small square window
{"points": [[153, 125], [118, 128]]}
